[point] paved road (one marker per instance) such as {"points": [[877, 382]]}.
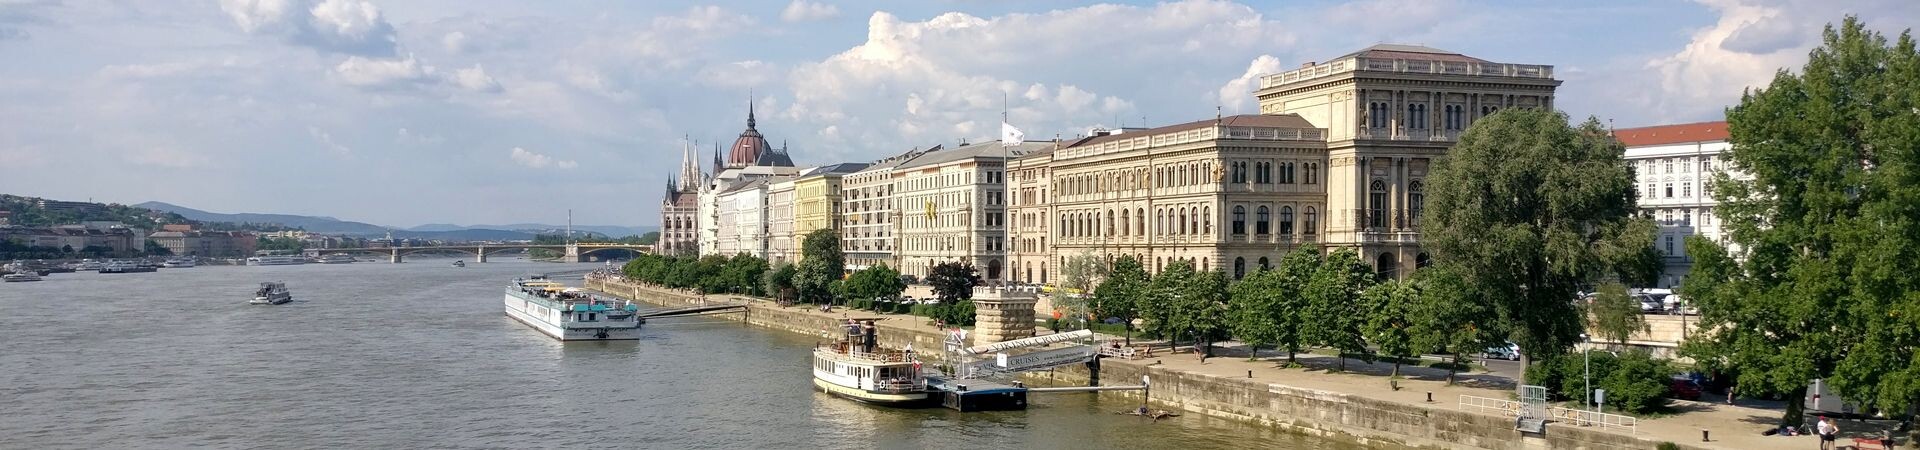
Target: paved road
{"points": [[1501, 367]]}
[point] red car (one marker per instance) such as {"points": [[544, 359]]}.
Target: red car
{"points": [[1683, 388]]}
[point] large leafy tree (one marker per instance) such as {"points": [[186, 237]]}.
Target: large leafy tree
{"points": [[778, 282], [1390, 319], [1121, 293], [1335, 313], [821, 264], [1251, 309], [1160, 308], [1827, 227], [1201, 308], [1451, 319], [1077, 279], [878, 281], [1528, 209], [953, 282]]}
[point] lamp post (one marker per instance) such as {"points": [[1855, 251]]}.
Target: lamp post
{"points": [[1586, 365]]}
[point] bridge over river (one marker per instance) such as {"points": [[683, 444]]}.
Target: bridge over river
{"points": [[576, 252]]}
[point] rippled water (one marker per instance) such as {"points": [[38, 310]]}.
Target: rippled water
{"points": [[419, 355]]}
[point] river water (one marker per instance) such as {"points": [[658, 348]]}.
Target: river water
{"points": [[419, 355]]}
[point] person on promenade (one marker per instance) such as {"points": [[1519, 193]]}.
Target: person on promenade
{"points": [[1828, 431]]}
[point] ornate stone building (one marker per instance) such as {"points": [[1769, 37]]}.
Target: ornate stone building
{"points": [[953, 208], [749, 162], [1029, 237], [680, 209], [1389, 111], [870, 232]]}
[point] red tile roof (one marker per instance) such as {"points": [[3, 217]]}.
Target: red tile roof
{"points": [[1672, 134]]}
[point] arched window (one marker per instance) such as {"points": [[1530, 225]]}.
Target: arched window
{"points": [[1239, 268], [1422, 261], [1264, 265], [1239, 220], [1109, 223], [1183, 221], [1377, 205], [1416, 202], [1286, 220], [1206, 220], [1126, 222], [1140, 221], [1311, 221], [1385, 266], [1262, 221], [1312, 170]]}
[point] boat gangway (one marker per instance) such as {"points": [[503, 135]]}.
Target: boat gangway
{"points": [[693, 310]]}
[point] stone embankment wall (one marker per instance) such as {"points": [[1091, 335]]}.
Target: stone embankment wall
{"points": [[1326, 414], [798, 319]]}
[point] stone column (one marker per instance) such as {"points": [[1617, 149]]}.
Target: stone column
{"points": [[480, 254], [396, 256], [1002, 315]]}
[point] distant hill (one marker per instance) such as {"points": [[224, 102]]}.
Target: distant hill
{"points": [[541, 228], [314, 224]]}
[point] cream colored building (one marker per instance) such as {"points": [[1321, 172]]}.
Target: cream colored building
{"points": [[870, 219], [1229, 194], [1675, 166], [1030, 239], [1389, 111], [953, 208], [814, 205], [782, 245]]}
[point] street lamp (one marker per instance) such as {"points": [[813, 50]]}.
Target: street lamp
{"points": [[1587, 366]]}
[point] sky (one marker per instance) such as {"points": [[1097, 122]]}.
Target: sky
{"points": [[490, 111]]}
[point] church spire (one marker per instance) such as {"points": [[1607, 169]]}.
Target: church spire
{"points": [[749, 108], [689, 170]]}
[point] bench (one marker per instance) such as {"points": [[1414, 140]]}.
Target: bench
{"points": [[1866, 443]]}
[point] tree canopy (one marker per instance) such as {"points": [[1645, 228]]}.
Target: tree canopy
{"points": [[878, 281], [1120, 295], [1527, 209], [821, 265], [1827, 226], [953, 282], [1335, 313]]}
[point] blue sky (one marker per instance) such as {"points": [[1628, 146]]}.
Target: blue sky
{"points": [[488, 111]]}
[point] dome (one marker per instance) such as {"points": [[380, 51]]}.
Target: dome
{"points": [[752, 149]]}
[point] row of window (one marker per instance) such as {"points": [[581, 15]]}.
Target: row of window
{"points": [[1685, 163], [1453, 117], [1268, 172], [1686, 190]]}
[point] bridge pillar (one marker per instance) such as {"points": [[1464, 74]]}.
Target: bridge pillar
{"points": [[480, 255], [1002, 315], [396, 257], [573, 253]]}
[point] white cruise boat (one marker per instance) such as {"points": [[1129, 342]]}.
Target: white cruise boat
{"points": [[337, 258], [276, 260], [175, 263], [855, 369], [569, 314], [20, 277], [271, 293], [88, 265]]}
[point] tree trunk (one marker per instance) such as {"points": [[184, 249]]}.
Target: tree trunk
{"points": [[1453, 368], [1796, 408], [1396, 368], [1128, 326], [1291, 361], [1521, 382]]}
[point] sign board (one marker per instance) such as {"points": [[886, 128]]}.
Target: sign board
{"points": [[1029, 342], [1034, 361]]}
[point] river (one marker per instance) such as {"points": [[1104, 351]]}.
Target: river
{"points": [[417, 355]]}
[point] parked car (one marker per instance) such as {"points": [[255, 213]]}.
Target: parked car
{"points": [[1684, 388], [1650, 304], [1508, 352]]}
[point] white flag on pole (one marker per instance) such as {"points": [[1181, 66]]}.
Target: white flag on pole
{"points": [[1010, 136]]}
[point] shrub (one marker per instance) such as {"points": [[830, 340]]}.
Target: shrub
{"points": [[1637, 382]]}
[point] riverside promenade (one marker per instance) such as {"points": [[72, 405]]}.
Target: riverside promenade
{"points": [[1358, 405]]}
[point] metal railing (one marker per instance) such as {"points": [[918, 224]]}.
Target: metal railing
{"points": [[1578, 417]]}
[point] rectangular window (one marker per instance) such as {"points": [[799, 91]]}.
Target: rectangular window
{"points": [[1669, 189], [1686, 189]]}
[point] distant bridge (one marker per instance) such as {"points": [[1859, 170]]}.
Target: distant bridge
{"points": [[576, 252]]}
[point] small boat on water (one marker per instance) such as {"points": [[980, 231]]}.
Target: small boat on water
{"points": [[337, 258], [571, 314], [176, 263], [854, 368], [271, 293], [128, 267], [459, 263], [20, 277], [88, 265]]}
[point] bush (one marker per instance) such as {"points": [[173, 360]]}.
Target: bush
{"points": [[1635, 381]]}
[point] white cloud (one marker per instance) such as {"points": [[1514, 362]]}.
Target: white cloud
{"points": [[1750, 41], [455, 42], [737, 74], [411, 137], [326, 141], [409, 73], [1237, 95], [677, 40], [803, 10], [343, 26], [538, 161]]}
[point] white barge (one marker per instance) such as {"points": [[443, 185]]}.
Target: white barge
{"points": [[570, 314], [854, 368]]}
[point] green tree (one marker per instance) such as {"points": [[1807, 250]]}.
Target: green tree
{"points": [[1335, 313], [1201, 307], [1254, 311], [778, 282], [1161, 307], [1121, 293], [821, 264], [1078, 276], [1390, 319], [1826, 227], [874, 282], [953, 282], [1614, 315], [741, 274], [1528, 209], [1451, 319]]}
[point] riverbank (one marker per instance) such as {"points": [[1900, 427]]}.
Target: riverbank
{"points": [[1343, 406]]}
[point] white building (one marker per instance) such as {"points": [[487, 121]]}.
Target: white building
{"points": [[869, 221], [781, 243], [723, 228], [1676, 165], [953, 207]]}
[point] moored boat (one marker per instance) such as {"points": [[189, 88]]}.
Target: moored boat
{"points": [[570, 314], [276, 260], [337, 258], [853, 368], [20, 277], [127, 267], [271, 293], [459, 263], [176, 263]]}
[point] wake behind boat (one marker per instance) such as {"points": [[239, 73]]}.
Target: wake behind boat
{"points": [[571, 314]]}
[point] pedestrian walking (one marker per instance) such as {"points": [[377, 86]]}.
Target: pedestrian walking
{"points": [[1828, 431]]}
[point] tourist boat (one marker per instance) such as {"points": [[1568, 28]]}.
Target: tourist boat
{"points": [[276, 260], [176, 263], [127, 267], [337, 258], [20, 277], [571, 314], [855, 369], [87, 265], [459, 263], [271, 293]]}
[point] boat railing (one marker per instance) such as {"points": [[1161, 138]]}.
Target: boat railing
{"points": [[900, 384]]}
